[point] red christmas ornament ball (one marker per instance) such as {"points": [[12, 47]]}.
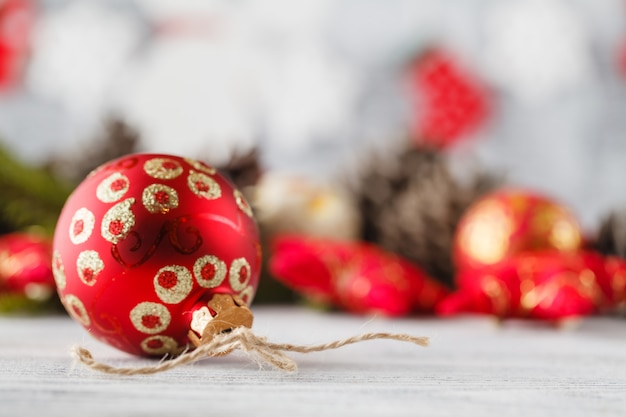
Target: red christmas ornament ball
{"points": [[509, 222], [142, 245]]}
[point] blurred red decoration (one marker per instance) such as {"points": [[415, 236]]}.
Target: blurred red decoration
{"points": [[448, 101], [354, 276], [616, 285], [548, 285], [507, 222], [16, 24], [544, 285], [621, 58], [25, 266], [145, 242]]}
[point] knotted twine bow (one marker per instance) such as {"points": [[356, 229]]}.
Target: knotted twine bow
{"points": [[259, 348]]}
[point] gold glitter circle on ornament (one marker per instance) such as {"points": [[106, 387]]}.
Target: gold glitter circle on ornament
{"points": [[58, 270], [76, 308], [239, 274], [89, 265], [203, 186], [162, 168], [200, 166], [112, 188], [159, 198], [209, 271], [159, 345], [173, 283], [150, 318], [81, 225], [242, 203], [118, 221], [247, 294]]}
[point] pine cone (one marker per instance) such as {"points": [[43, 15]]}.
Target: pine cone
{"points": [[118, 139], [411, 206], [611, 238], [243, 169]]}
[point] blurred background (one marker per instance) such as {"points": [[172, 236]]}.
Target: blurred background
{"points": [[528, 93], [316, 83]]}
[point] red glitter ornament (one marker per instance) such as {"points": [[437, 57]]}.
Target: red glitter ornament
{"points": [[615, 285], [143, 246], [25, 266], [547, 285], [354, 276]]}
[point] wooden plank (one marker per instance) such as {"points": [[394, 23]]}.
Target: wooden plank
{"points": [[474, 366]]}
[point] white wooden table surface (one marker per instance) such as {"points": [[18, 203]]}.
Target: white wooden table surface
{"points": [[473, 367]]}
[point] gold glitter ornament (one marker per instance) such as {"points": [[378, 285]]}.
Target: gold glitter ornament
{"points": [[508, 222]]}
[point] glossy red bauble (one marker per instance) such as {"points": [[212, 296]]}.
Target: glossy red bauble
{"points": [[144, 242]]}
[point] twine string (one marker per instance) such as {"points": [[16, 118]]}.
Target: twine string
{"points": [[257, 347]]}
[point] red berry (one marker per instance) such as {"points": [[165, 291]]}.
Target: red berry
{"points": [[449, 103]]}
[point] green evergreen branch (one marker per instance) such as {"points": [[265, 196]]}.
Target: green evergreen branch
{"points": [[29, 196]]}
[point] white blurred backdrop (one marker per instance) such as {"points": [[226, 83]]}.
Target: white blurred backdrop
{"points": [[315, 84]]}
